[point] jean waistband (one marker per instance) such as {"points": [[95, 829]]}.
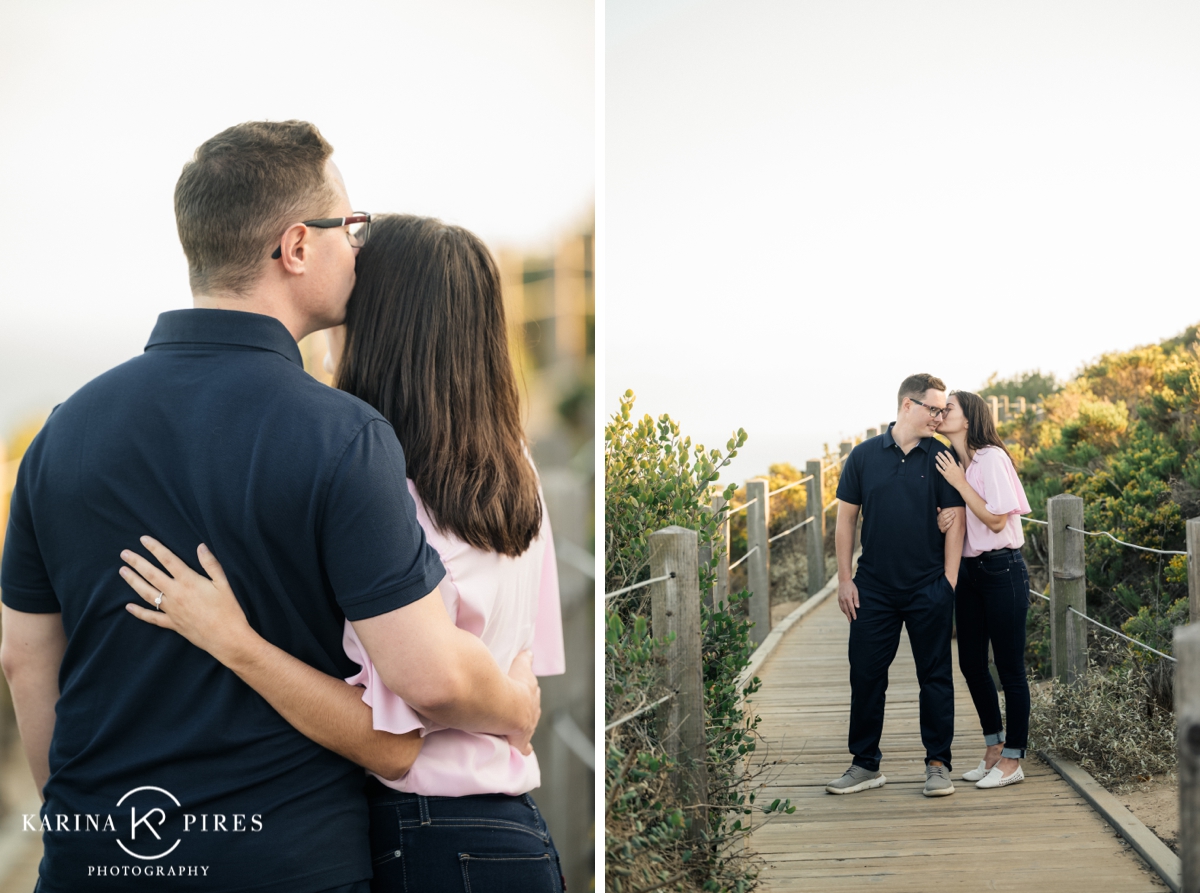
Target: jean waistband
{"points": [[994, 553]]}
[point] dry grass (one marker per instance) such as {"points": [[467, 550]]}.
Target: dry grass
{"points": [[1109, 722]]}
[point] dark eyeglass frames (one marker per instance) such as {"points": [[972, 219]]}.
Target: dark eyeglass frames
{"points": [[358, 228], [933, 411]]}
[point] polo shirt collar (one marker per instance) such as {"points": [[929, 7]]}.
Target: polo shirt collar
{"points": [[232, 328], [889, 441]]}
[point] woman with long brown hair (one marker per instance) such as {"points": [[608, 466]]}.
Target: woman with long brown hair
{"points": [[992, 597], [425, 342]]}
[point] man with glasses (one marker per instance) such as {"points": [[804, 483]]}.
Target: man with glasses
{"points": [[906, 576], [215, 435]]}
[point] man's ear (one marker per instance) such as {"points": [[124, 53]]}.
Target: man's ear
{"points": [[293, 246]]}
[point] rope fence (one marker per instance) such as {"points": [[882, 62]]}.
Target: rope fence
{"points": [[1076, 663], [1108, 628], [744, 557], [1123, 543], [1110, 536], [835, 463], [1122, 635], [803, 480], [789, 530], [669, 576], [636, 713], [743, 506]]}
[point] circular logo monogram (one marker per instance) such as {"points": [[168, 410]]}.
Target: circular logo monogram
{"points": [[148, 807]]}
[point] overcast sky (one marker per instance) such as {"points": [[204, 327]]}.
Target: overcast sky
{"points": [[477, 111], [808, 201]]}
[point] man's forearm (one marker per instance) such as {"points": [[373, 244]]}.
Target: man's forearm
{"points": [[843, 540], [31, 655], [34, 703], [483, 699], [444, 672], [323, 708]]}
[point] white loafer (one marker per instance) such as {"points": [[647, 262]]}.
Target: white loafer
{"points": [[995, 779], [976, 774]]}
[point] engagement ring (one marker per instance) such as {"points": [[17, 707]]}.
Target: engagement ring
{"points": [[158, 601]]}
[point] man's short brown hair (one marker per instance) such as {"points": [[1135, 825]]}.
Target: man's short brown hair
{"points": [[240, 191], [915, 386]]}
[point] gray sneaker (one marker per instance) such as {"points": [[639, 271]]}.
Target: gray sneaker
{"points": [[937, 781], [856, 779]]}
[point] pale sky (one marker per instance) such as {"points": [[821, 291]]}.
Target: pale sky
{"points": [[481, 112], [807, 201]]}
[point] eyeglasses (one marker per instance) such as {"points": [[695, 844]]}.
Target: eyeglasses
{"points": [[358, 228], [934, 412]]}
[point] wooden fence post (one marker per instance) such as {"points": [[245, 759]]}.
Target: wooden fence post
{"points": [[1187, 720], [1068, 634], [1193, 569], [994, 406], [845, 447], [758, 518], [1005, 411], [720, 590], [815, 532], [1021, 406], [675, 608], [872, 432]]}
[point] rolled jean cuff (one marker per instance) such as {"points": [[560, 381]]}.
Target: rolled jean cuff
{"points": [[1012, 753], [994, 738]]}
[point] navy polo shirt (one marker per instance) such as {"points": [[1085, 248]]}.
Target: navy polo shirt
{"points": [[216, 435], [902, 548]]}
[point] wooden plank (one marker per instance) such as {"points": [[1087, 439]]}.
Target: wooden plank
{"points": [[1038, 835], [1141, 838]]}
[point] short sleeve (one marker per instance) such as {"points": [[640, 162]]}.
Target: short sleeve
{"points": [[947, 496], [372, 547], [24, 579], [849, 488], [549, 658], [1002, 490], [389, 712]]}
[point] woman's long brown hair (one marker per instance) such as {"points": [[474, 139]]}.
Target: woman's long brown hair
{"points": [[427, 346], [981, 430]]}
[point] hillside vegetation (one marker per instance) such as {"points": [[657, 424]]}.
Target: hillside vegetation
{"points": [[1122, 435]]}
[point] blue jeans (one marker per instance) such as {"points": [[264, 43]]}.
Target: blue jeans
{"points": [[874, 638], [485, 843], [992, 603]]}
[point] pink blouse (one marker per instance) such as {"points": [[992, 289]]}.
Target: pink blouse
{"points": [[512, 605], [992, 476]]}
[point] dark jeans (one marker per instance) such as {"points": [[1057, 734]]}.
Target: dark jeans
{"points": [[486, 843], [992, 603], [874, 638]]}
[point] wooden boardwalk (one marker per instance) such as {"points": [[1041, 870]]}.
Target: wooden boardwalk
{"points": [[1035, 836]]}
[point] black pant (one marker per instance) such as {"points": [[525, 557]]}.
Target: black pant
{"points": [[992, 603], [483, 843], [874, 638]]}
